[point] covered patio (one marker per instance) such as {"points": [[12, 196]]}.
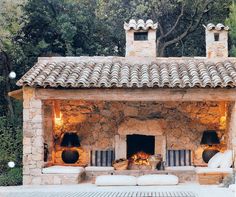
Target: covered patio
{"points": [[103, 118]]}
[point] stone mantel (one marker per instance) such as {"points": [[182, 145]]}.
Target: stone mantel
{"points": [[143, 127]]}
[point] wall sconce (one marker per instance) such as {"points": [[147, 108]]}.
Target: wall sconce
{"points": [[57, 113]]}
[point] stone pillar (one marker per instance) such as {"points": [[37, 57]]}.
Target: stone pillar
{"points": [[120, 146], [232, 131], [160, 146], [33, 149]]}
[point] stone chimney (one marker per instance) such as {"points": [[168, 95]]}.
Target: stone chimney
{"points": [[216, 40], [140, 38]]}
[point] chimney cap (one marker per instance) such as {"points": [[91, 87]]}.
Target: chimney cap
{"points": [[140, 25], [217, 27]]}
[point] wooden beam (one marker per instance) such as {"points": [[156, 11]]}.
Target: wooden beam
{"points": [[16, 94], [138, 94]]}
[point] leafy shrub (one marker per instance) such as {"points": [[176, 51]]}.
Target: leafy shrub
{"points": [[3, 166], [10, 150], [12, 177]]}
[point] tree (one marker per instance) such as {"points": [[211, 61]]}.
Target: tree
{"points": [[10, 13], [178, 19], [231, 22], [62, 27]]}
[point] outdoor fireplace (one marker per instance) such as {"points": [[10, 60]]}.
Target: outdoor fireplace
{"points": [[140, 143], [140, 136]]}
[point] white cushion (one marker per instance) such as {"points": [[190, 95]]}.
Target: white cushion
{"points": [[200, 170], [180, 168], [157, 179], [227, 160], [115, 180], [233, 187], [63, 170], [98, 168], [215, 161]]}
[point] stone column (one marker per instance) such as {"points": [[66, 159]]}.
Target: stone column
{"points": [[160, 146], [120, 146], [32, 137], [232, 131]]}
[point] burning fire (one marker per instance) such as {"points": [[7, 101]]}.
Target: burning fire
{"points": [[140, 158]]}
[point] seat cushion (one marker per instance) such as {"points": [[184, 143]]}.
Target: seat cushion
{"points": [[213, 170], [215, 161], [233, 187], [227, 160], [157, 179], [98, 168], [115, 180], [63, 170]]}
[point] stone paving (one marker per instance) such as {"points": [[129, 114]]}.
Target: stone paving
{"points": [[91, 190], [103, 194]]}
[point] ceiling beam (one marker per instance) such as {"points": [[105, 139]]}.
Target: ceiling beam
{"points": [[137, 94]]}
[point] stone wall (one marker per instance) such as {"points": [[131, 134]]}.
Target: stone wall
{"points": [[97, 123], [33, 138]]}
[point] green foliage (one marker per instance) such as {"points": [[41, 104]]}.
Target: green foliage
{"points": [[11, 142], [55, 27], [11, 177], [10, 52], [11, 150], [231, 22]]}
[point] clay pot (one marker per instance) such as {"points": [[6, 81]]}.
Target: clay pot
{"points": [[70, 156]]}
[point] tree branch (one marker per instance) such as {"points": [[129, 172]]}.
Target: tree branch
{"points": [[176, 22], [161, 31], [191, 27]]}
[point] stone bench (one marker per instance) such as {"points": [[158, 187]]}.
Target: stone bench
{"points": [[212, 176], [62, 175], [63, 170]]}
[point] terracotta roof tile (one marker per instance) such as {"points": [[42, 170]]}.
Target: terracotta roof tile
{"points": [[217, 27], [115, 74], [140, 24]]}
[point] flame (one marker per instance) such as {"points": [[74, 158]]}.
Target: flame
{"points": [[140, 158]]}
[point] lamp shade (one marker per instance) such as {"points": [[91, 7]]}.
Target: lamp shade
{"points": [[210, 137], [70, 140]]}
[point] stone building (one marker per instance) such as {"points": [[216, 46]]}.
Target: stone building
{"points": [[105, 100]]}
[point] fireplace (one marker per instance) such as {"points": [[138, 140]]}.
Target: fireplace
{"points": [[145, 136], [140, 143]]}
